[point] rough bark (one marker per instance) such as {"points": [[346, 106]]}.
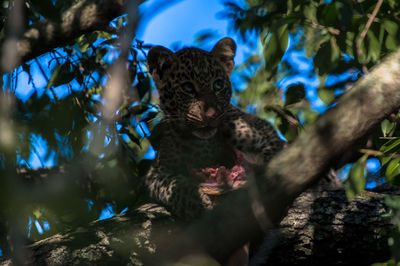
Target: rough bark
{"points": [[325, 228], [321, 228], [84, 17]]}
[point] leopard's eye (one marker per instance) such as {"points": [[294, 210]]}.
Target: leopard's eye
{"points": [[188, 87], [218, 85]]}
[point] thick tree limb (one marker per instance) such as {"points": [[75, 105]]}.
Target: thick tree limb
{"points": [[322, 228], [238, 219], [84, 17]]}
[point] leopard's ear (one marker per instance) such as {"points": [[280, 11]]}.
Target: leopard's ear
{"points": [[159, 60], [225, 50]]}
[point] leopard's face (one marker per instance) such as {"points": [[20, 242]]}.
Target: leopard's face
{"points": [[194, 85]]}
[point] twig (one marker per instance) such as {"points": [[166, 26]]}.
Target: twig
{"points": [[292, 121], [321, 27], [371, 152], [388, 138], [364, 33], [47, 79]]}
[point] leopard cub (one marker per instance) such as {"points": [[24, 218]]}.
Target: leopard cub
{"points": [[201, 129]]}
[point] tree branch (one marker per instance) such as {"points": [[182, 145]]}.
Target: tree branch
{"points": [[84, 17], [320, 225], [364, 32]]}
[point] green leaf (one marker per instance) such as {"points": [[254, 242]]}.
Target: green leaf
{"points": [[83, 43], [295, 94], [387, 127], [329, 14], [53, 76], [277, 42], [391, 43], [355, 182], [283, 115], [391, 146], [393, 170], [327, 57], [129, 132], [138, 109], [310, 12], [143, 86], [37, 213], [392, 3], [326, 95], [390, 26], [310, 115], [385, 159], [336, 13], [103, 35], [374, 47], [62, 74]]}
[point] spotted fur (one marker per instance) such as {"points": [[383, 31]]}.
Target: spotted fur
{"points": [[201, 128]]}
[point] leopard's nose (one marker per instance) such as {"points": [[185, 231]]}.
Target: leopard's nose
{"points": [[210, 113]]}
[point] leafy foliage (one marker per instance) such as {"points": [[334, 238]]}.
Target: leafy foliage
{"points": [[60, 124], [343, 40]]}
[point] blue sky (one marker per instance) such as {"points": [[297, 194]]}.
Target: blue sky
{"points": [[177, 23]]}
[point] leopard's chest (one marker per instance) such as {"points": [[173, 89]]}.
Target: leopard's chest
{"points": [[207, 153], [181, 150]]}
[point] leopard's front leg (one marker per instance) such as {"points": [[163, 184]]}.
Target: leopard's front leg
{"points": [[253, 136], [178, 193]]}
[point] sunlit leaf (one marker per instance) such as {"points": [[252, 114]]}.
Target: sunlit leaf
{"points": [[287, 122], [326, 95], [390, 26], [393, 171], [391, 146], [374, 47], [355, 182], [310, 12], [277, 42], [391, 43], [83, 44], [37, 213], [387, 127]]}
